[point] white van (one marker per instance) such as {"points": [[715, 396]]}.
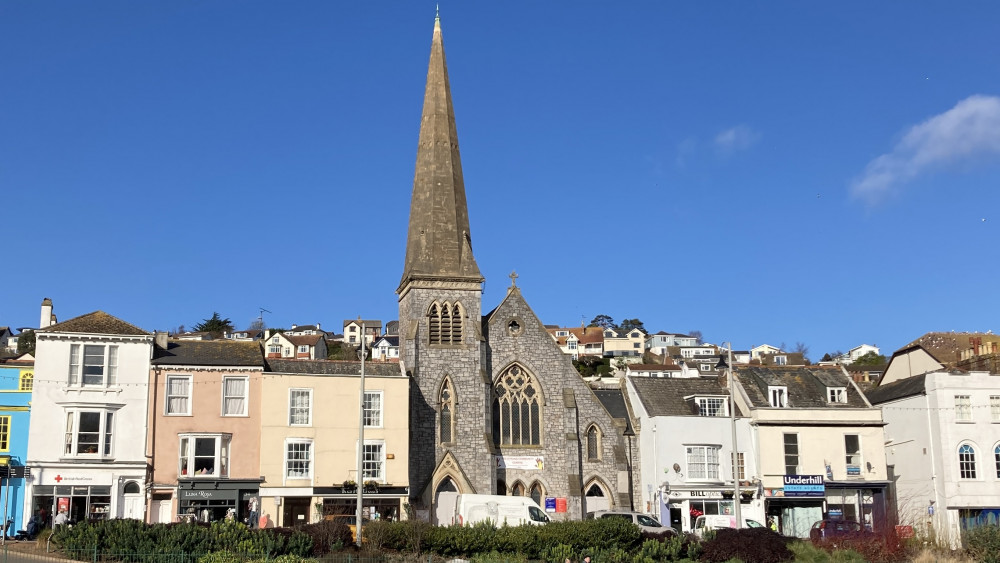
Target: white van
{"points": [[707, 522], [498, 509]]}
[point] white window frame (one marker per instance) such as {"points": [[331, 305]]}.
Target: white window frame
{"points": [[303, 348], [708, 451], [836, 394], [105, 438], [848, 455], [781, 360], [310, 449], [380, 413], [963, 408], [78, 364], [571, 344], [995, 408], [966, 465], [246, 395], [777, 396], [291, 406], [167, 396], [702, 402], [222, 457], [379, 462]]}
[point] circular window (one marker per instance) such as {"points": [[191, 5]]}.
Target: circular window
{"points": [[514, 327]]}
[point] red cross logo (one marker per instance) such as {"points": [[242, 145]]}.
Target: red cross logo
{"points": [[58, 478]]}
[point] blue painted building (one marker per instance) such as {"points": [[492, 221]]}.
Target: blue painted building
{"points": [[16, 384]]}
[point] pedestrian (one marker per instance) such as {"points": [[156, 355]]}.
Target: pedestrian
{"points": [[264, 522], [61, 518], [254, 510]]}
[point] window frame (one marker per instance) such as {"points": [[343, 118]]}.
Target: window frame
{"points": [[380, 412], [782, 396], [105, 437], [532, 404], [786, 456], [5, 430], [246, 395], [741, 467], [379, 463], [26, 380], [303, 349], [78, 366], [963, 411], [967, 465], [707, 450], [594, 439], [994, 408], [308, 407], [167, 396], [722, 410], [311, 461], [836, 395], [848, 455], [222, 461], [446, 403]]}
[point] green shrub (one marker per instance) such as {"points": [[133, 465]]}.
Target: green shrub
{"points": [[559, 553], [982, 543]]}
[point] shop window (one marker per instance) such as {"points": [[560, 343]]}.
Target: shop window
{"points": [[89, 433], [516, 409], [93, 365], [204, 455]]}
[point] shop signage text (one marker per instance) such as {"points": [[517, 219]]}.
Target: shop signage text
{"points": [[202, 494], [804, 486]]}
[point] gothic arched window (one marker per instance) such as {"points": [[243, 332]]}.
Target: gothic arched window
{"points": [[537, 492], [444, 323], [593, 443], [517, 490], [517, 411], [447, 407]]}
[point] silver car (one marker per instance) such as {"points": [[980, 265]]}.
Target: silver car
{"points": [[645, 522]]}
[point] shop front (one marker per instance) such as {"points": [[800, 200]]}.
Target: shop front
{"points": [[863, 502], [85, 496], [216, 499], [383, 503], [683, 505], [796, 505]]}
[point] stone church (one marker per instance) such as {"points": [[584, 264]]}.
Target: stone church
{"points": [[495, 406]]}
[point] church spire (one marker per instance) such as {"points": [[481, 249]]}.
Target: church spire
{"points": [[438, 243]]}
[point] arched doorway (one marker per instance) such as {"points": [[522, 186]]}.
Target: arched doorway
{"points": [[597, 498], [133, 501], [444, 501]]}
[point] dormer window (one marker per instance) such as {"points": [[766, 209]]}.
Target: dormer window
{"points": [[635, 335], [705, 367], [561, 333], [836, 394], [712, 406], [778, 396], [608, 334]]}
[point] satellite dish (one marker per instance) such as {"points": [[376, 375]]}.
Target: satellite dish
{"points": [[677, 467]]}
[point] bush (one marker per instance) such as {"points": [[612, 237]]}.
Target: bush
{"points": [[876, 548], [328, 536], [750, 545], [982, 543]]}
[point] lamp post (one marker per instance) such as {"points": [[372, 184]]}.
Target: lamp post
{"points": [[361, 438], [727, 368]]}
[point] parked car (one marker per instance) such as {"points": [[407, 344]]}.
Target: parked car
{"points": [[645, 522], [830, 529], [708, 522]]}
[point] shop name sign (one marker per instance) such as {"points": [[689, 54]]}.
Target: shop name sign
{"points": [[201, 494], [694, 494], [804, 486]]}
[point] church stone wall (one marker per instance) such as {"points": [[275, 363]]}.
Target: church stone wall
{"points": [[428, 365], [570, 407]]}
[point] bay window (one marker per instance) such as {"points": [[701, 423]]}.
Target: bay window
{"points": [[89, 432], [204, 455]]}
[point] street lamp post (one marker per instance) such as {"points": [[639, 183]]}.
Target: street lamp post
{"points": [[361, 438], [727, 367]]}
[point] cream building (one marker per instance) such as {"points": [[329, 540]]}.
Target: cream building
{"points": [[309, 437]]}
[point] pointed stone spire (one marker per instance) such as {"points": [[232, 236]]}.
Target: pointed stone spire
{"points": [[438, 243]]}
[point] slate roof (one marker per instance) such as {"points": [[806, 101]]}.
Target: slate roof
{"points": [[614, 401], [97, 322], [806, 385], [392, 328], [369, 324], [907, 387], [209, 353], [330, 367], [666, 396], [392, 340], [654, 367]]}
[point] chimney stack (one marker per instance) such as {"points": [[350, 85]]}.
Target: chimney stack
{"points": [[160, 338], [46, 317]]}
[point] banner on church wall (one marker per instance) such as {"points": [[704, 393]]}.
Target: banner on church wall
{"points": [[520, 462]]}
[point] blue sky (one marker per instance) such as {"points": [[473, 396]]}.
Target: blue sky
{"points": [[760, 171]]}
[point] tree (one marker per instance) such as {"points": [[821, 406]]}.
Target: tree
{"points": [[871, 359], [801, 348], [697, 335], [26, 342], [629, 324], [826, 358], [603, 321], [215, 325], [257, 324]]}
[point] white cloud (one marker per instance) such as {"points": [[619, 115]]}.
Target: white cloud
{"points": [[736, 138], [970, 129]]}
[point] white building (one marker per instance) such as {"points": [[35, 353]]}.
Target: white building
{"points": [[685, 444], [942, 444], [87, 438], [820, 446], [757, 351], [853, 354], [659, 342]]}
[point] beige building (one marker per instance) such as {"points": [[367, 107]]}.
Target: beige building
{"points": [[309, 437], [203, 433]]}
